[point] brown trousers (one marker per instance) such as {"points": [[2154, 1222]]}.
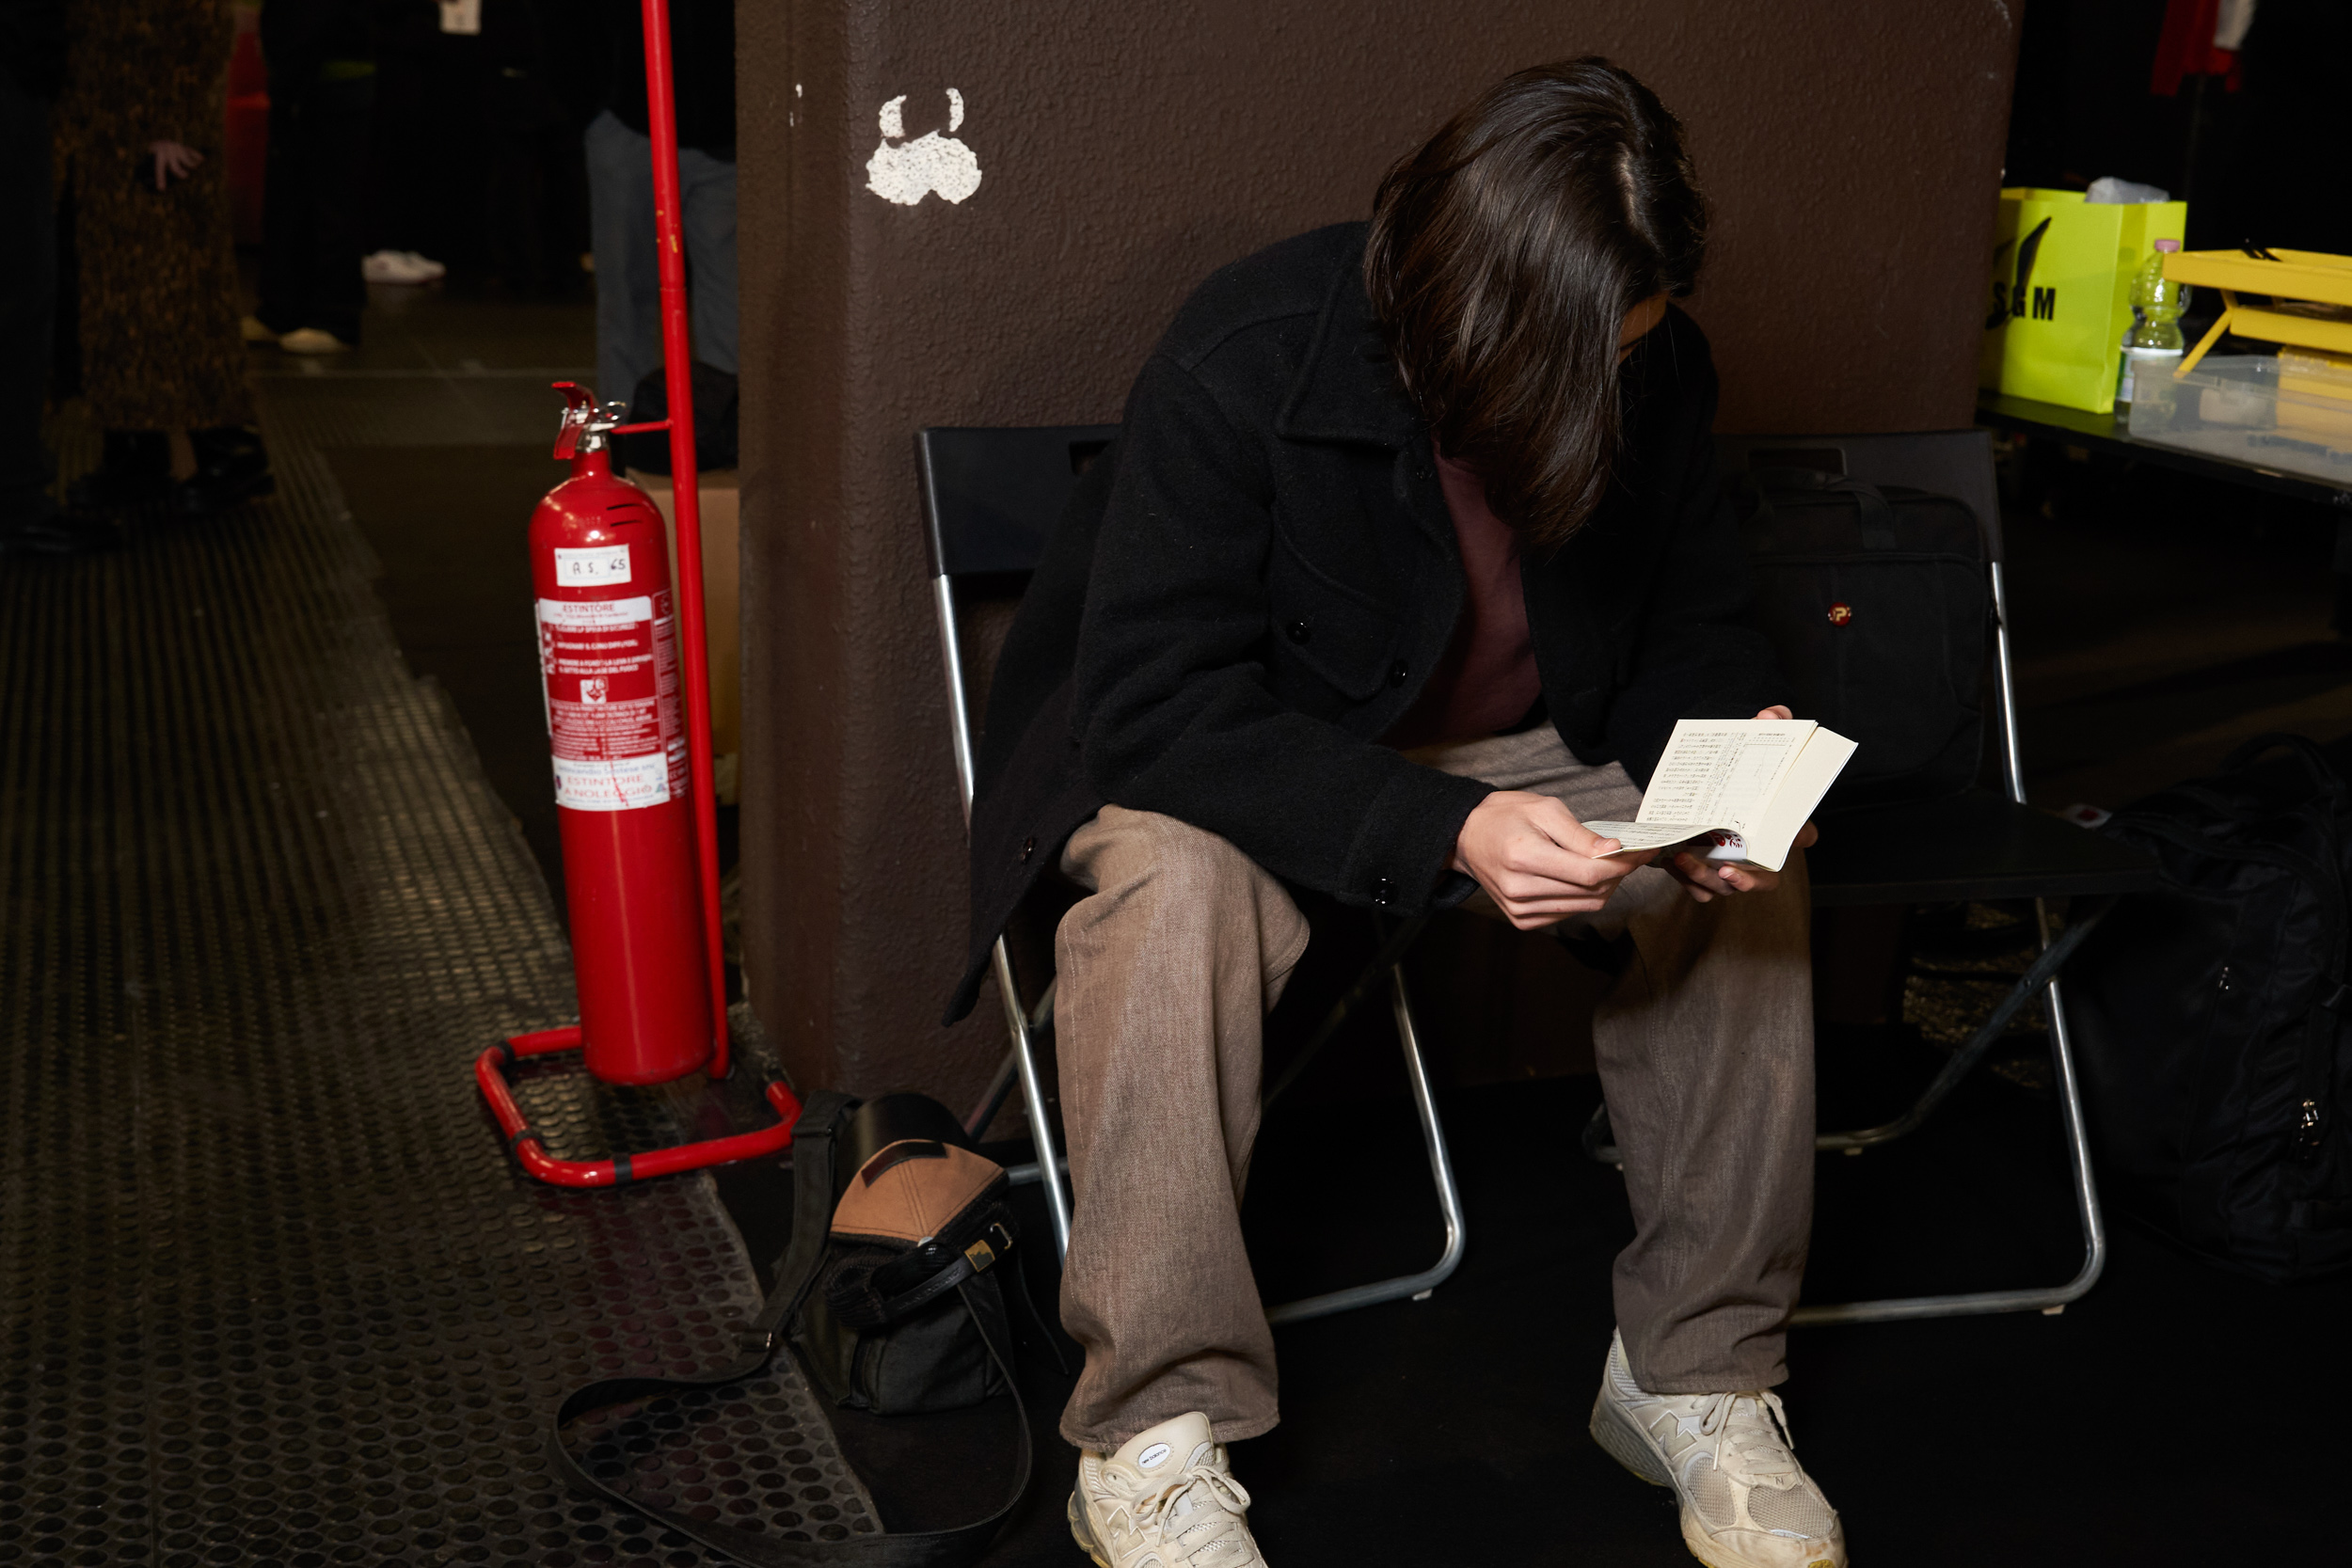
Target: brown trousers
{"points": [[1166, 970]]}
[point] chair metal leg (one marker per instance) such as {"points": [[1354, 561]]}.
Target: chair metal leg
{"points": [[2051, 1299], [2042, 975], [1440, 1171], [1050, 1165], [1000, 1087], [2043, 972]]}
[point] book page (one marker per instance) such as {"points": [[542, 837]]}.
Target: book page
{"points": [[1808, 779], [1633, 837], [1722, 772], [1757, 780]]}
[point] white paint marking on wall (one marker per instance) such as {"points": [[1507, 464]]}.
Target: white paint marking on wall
{"points": [[906, 171]]}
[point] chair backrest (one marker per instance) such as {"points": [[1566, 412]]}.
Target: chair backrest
{"points": [[991, 498], [1956, 463], [992, 494]]}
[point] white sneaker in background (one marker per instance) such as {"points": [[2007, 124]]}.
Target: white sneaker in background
{"points": [[399, 266], [312, 339], [1166, 1500], [1746, 1502]]}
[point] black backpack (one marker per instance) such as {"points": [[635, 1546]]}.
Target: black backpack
{"points": [[891, 1291], [1875, 598], [2211, 1015]]}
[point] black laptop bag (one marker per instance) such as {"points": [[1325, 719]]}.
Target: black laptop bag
{"points": [[1875, 598]]}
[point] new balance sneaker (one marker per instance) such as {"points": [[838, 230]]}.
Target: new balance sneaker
{"points": [[1166, 1500], [1746, 1502]]}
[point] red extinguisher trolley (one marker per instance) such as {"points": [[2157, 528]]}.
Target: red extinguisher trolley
{"points": [[626, 674]]}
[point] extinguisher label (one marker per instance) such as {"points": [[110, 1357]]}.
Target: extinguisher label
{"points": [[606, 566], [610, 674]]}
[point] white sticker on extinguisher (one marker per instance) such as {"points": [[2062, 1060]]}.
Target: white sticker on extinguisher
{"points": [[605, 566], [609, 672]]}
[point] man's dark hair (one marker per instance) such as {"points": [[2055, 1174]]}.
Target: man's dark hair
{"points": [[1503, 257]]}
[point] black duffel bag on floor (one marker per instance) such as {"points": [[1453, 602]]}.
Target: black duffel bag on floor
{"points": [[2211, 1015]]}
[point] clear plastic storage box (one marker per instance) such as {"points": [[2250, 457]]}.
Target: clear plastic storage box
{"points": [[2292, 413]]}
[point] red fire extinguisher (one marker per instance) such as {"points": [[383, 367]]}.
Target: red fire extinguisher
{"points": [[609, 669], [612, 682], [626, 680]]}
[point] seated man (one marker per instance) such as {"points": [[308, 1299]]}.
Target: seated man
{"points": [[1406, 559]]}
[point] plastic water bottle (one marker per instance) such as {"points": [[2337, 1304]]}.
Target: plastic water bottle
{"points": [[2152, 345]]}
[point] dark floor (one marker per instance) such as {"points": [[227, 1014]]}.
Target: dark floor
{"points": [[2151, 1423]]}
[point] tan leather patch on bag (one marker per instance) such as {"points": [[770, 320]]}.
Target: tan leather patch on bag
{"points": [[911, 1189]]}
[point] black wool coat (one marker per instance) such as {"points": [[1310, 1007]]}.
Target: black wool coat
{"points": [[1253, 583]]}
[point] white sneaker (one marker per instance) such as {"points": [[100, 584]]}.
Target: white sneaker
{"points": [[1746, 1502], [399, 266], [1166, 1500]]}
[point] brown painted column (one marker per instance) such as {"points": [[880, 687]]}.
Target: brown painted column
{"points": [[1122, 153]]}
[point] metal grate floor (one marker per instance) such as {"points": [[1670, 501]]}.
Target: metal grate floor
{"points": [[271, 1292]]}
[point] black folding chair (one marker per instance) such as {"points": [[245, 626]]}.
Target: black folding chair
{"points": [[991, 498], [1983, 845]]}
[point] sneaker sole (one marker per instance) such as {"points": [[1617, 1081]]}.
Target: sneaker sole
{"points": [[1626, 1443], [1082, 1534], [1707, 1551]]}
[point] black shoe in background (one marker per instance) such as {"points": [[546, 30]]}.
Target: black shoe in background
{"points": [[231, 467], [42, 529], [134, 474]]}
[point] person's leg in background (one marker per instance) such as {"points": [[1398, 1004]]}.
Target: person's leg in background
{"points": [[709, 188], [337, 111], [1164, 975], [629, 288], [29, 519], [286, 218]]}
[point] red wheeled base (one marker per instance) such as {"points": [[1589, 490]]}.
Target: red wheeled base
{"points": [[489, 1072]]}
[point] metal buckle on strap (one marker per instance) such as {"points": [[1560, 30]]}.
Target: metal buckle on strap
{"points": [[980, 1254]]}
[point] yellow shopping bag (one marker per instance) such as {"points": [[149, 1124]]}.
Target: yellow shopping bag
{"points": [[2061, 292]]}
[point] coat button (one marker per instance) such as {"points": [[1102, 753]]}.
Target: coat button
{"points": [[1383, 892], [1028, 848], [1299, 631], [1398, 673]]}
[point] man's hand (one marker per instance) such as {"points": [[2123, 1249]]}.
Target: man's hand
{"points": [[1537, 860], [1704, 881], [173, 160]]}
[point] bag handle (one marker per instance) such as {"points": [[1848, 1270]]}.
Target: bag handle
{"points": [[813, 1139], [2316, 761], [1878, 517]]}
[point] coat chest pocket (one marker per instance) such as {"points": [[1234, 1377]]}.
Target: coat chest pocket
{"points": [[1321, 628]]}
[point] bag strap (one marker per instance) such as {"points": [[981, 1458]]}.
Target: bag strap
{"points": [[812, 1222], [1878, 517], [2316, 761]]}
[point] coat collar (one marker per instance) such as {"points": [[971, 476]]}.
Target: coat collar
{"points": [[1348, 388]]}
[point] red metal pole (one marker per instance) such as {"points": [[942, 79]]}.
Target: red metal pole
{"points": [[678, 359]]}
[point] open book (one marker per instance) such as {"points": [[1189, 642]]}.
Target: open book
{"points": [[1747, 783]]}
